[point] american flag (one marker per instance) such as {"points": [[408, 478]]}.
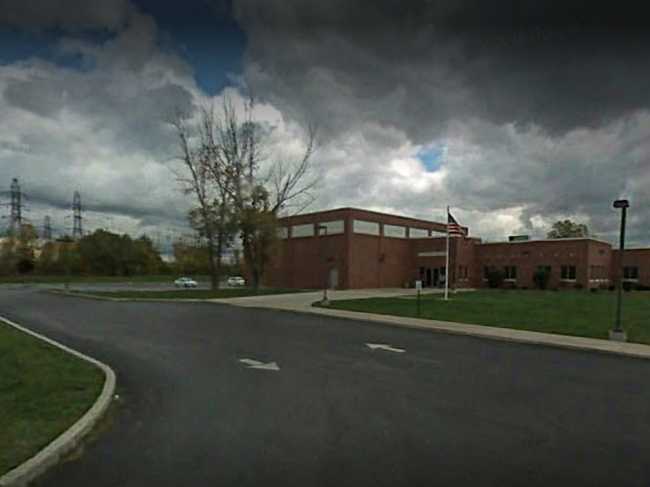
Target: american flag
{"points": [[453, 228]]}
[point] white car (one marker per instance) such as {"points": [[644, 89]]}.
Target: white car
{"points": [[236, 281], [185, 282]]}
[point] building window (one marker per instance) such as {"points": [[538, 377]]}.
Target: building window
{"points": [[395, 231], [568, 272], [306, 230], [415, 232], [631, 272], [510, 272], [365, 227], [333, 227]]}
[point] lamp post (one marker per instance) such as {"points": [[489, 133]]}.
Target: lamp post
{"points": [[617, 333], [325, 301]]}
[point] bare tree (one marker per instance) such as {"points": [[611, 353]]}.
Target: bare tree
{"points": [[209, 217], [258, 196]]}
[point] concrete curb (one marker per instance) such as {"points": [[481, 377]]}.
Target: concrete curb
{"points": [[633, 350], [67, 441]]}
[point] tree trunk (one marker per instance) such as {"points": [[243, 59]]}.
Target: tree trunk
{"points": [[214, 271]]}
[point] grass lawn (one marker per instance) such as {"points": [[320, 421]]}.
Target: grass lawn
{"points": [[578, 313], [28, 279], [235, 292], [43, 391]]}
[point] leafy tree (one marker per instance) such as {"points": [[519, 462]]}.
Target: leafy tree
{"points": [[191, 259], [568, 229]]}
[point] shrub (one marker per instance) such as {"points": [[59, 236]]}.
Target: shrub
{"points": [[541, 278], [578, 285], [25, 266], [594, 289], [628, 286], [495, 278], [611, 287]]}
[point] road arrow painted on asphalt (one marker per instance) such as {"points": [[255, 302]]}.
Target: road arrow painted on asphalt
{"points": [[256, 364], [383, 346]]}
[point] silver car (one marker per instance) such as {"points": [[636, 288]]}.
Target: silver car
{"points": [[185, 282]]}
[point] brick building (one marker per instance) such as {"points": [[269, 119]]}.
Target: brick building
{"points": [[349, 248]]}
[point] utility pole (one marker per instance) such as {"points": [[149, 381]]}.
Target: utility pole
{"points": [[16, 216], [77, 228], [47, 228]]}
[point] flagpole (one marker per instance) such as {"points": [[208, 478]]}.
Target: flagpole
{"points": [[447, 261]]}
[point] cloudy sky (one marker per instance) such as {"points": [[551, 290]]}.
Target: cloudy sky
{"points": [[516, 114]]}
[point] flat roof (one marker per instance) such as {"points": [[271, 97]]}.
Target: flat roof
{"points": [[554, 240], [361, 210]]}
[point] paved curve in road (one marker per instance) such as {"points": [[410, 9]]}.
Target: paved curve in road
{"points": [[450, 410]]}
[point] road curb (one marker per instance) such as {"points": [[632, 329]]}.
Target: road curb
{"points": [[67, 441], [567, 342]]}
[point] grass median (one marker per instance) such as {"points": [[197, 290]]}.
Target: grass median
{"points": [[577, 313], [180, 294], [43, 391]]}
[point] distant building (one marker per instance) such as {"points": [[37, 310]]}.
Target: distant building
{"points": [[351, 248]]}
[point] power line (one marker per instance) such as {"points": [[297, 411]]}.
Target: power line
{"points": [[47, 228], [16, 212], [77, 228]]}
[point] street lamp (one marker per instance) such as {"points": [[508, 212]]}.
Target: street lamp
{"points": [[325, 301], [617, 333]]}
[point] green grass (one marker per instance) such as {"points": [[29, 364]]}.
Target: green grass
{"points": [[35, 279], [43, 391], [577, 313], [180, 294]]}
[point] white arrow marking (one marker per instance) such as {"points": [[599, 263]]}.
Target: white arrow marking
{"points": [[383, 346], [256, 364]]}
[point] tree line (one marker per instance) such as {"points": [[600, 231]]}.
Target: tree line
{"points": [[101, 253]]}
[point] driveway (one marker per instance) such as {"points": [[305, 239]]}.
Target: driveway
{"points": [[222, 395]]}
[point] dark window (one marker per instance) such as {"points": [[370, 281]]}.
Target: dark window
{"points": [[631, 272], [569, 272], [510, 272]]}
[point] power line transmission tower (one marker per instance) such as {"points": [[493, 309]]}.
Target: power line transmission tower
{"points": [[47, 228], [16, 215], [77, 227]]}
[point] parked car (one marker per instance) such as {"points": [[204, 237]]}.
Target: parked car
{"points": [[236, 281], [185, 282]]}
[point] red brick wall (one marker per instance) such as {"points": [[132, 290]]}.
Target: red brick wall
{"points": [[633, 257], [527, 256], [368, 261]]}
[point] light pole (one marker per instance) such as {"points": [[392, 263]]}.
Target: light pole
{"points": [[617, 333], [325, 301]]}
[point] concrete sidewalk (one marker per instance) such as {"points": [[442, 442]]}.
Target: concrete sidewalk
{"points": [[302, 303]]}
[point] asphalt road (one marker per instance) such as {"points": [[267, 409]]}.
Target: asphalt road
{"points": [[449, 410]]}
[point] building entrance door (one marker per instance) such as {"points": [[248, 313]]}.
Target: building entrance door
{"points": [[428, 281], [333, 278]]}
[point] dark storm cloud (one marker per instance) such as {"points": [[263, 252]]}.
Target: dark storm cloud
{"points": [[68, 15], [417, 64]]}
